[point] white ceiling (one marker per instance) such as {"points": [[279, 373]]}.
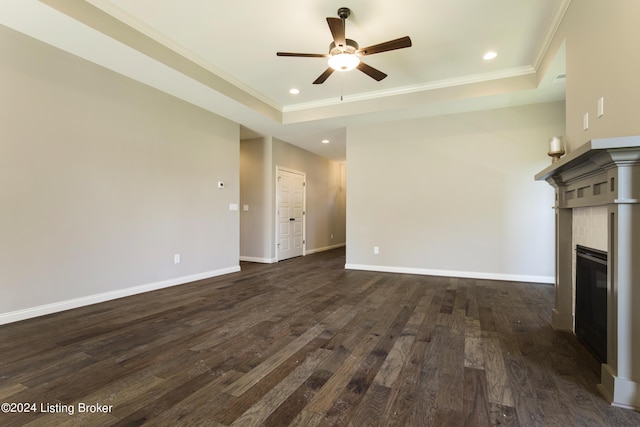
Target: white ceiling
{"points": [[220, 55]]}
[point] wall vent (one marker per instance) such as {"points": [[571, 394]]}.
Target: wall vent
{"points": [[560, 78]]}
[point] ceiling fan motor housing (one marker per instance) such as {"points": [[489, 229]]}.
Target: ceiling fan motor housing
{"points": [[350, 48]]}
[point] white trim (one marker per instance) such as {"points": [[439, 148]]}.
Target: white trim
{"points": [[423, 87], [449, 273], [42, 310], [307, 252], [260, 260], [325, 248], [556, 19]]}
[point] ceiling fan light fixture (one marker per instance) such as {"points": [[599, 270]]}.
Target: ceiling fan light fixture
{"points": [[344, 61]]}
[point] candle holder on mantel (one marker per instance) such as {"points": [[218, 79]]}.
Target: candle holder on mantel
{"points": [[556, 148]]}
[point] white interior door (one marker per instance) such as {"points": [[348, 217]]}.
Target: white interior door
{"points": [[290, 215]]}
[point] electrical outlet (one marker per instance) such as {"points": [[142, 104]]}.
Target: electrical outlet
{"points": [[176, 259], [332, 237], [376, 250]]}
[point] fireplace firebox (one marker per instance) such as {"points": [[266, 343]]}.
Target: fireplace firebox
{"points": [[591, 300]]}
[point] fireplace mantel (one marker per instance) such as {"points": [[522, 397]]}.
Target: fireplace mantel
{"points": [[604, 172]]}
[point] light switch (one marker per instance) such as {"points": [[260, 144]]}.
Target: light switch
{"points": [[585, 121], [601, 106], [245, 208], [233, 206]]}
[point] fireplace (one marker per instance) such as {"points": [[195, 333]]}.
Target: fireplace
{"points": [[591, 300], [602, 174]]}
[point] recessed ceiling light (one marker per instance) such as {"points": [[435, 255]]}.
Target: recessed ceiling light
{"points": [[294, 91], [489, 56], [325, 141]]}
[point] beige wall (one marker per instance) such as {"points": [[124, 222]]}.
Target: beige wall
{"points": [[256, 182], [102, 181], [325, 203], [602, 61], [454, 195]]}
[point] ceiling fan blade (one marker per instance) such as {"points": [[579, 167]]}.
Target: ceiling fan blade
{"points": [[371, 72], [336, 25], [303, 55], [324, 76], [400, 43]]}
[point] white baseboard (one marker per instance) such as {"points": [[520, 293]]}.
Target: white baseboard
{"points": [[28, 313], [306, 252], [326, 248], [260, 260], [448, 273]]}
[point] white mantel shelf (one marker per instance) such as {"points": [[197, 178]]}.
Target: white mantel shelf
{"points": [[604, 172]]}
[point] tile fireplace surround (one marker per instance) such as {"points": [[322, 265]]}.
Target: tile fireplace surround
{"points": [[604, 172]]}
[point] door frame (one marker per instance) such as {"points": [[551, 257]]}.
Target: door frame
{"points": [[277, 206]]}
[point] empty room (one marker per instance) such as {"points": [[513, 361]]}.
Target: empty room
{"points": [[319, 213]]}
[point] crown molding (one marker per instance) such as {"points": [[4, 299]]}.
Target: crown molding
{"points": [[439, 84], [556, 20]]}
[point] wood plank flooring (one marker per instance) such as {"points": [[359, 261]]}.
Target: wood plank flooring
{"points": [[306, 343]]}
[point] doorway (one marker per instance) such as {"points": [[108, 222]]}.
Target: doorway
{"points": [[290, 213]]}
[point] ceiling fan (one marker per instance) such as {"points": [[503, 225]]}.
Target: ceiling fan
{"points": [[344, 54]]}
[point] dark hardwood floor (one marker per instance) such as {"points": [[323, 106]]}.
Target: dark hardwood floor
{"points": [[306, 343]]}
